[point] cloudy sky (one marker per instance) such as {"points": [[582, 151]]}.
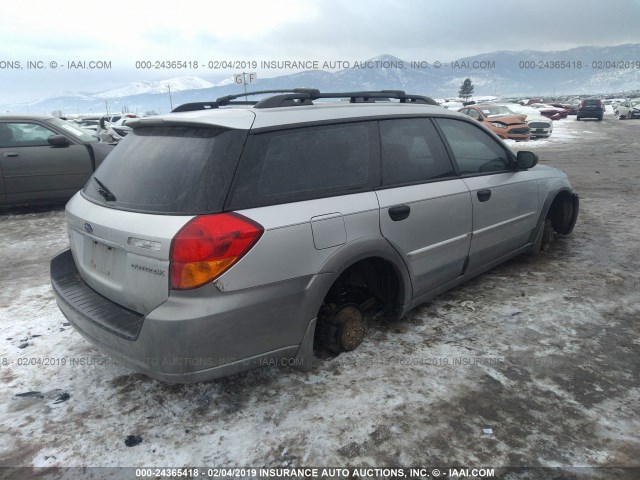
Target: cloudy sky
{"points": [[123, 32]]}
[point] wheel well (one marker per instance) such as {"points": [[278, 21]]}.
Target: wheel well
{"points": [[561, 213], [374, 275]]}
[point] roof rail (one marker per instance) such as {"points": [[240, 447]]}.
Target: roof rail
{"points": [[231, 99], [190, 107], [305, 96]]}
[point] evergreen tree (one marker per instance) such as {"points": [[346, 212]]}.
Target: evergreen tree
{"points": [[466, 89]]}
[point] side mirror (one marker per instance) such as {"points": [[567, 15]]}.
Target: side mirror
{"points": [[58, 141], [526, 160]]}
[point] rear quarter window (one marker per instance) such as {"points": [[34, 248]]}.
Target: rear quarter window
{"points": [[305, 163]]}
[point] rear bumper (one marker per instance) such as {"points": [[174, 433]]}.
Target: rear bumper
{"points": [[590, 113], [196, 335]]}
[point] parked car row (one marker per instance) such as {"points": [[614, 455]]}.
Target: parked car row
{"points": [[95, 123], [511, 120], [586, 108]]}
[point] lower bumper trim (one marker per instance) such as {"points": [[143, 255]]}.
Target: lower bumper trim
{"points": [[78, 296]]}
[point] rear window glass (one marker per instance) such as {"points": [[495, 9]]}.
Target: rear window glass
{"points": [[169, 169]]}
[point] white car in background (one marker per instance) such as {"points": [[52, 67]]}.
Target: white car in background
{"points": [[627, 109], [539, 125]]}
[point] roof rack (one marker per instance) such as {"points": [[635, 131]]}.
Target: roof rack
{"points": [[231, 99], [305, 96]]}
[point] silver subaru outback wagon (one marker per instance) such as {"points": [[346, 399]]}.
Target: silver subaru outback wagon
{"points": [[216, 239]]}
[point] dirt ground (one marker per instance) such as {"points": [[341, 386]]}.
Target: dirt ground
{"points": [[544, 352]]}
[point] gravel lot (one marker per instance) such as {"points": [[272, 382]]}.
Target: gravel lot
{"points": [[543, 351]]}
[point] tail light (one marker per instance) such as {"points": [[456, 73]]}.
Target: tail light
{"points": [[208, 246]]}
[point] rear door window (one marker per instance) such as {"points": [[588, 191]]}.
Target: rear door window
{"points": [[169, 169], [412, 152]]}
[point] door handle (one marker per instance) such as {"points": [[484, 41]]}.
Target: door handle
{"points": [[399, 212], [484, 195], [10, 154]]}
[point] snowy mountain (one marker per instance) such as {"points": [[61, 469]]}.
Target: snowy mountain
{"points": [[178, 84], [579, 71]]}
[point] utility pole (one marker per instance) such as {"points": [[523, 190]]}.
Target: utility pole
{"points": [[170, 99], [106, 104]]}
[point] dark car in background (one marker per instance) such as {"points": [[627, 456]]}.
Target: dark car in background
{"points": [[45, 158], [591, 108]]}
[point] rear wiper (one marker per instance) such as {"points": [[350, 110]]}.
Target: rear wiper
{"points": [[104, 191]]}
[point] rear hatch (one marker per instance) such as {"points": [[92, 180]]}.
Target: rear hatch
{"points": [[592, 104], [159, 177]]}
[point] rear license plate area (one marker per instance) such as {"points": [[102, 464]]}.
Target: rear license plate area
{"points": [[102, 258]]}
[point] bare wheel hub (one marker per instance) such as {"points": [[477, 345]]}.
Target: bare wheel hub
{"points": [[340, 328], [350, 324]]}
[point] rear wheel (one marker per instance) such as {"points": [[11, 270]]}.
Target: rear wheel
{"points": [[367, 290], [340, 328]]}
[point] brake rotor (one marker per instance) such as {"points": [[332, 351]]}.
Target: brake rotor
{"points": [[350, 327]]}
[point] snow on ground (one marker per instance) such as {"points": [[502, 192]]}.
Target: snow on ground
{"points": [[544, 351]]}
